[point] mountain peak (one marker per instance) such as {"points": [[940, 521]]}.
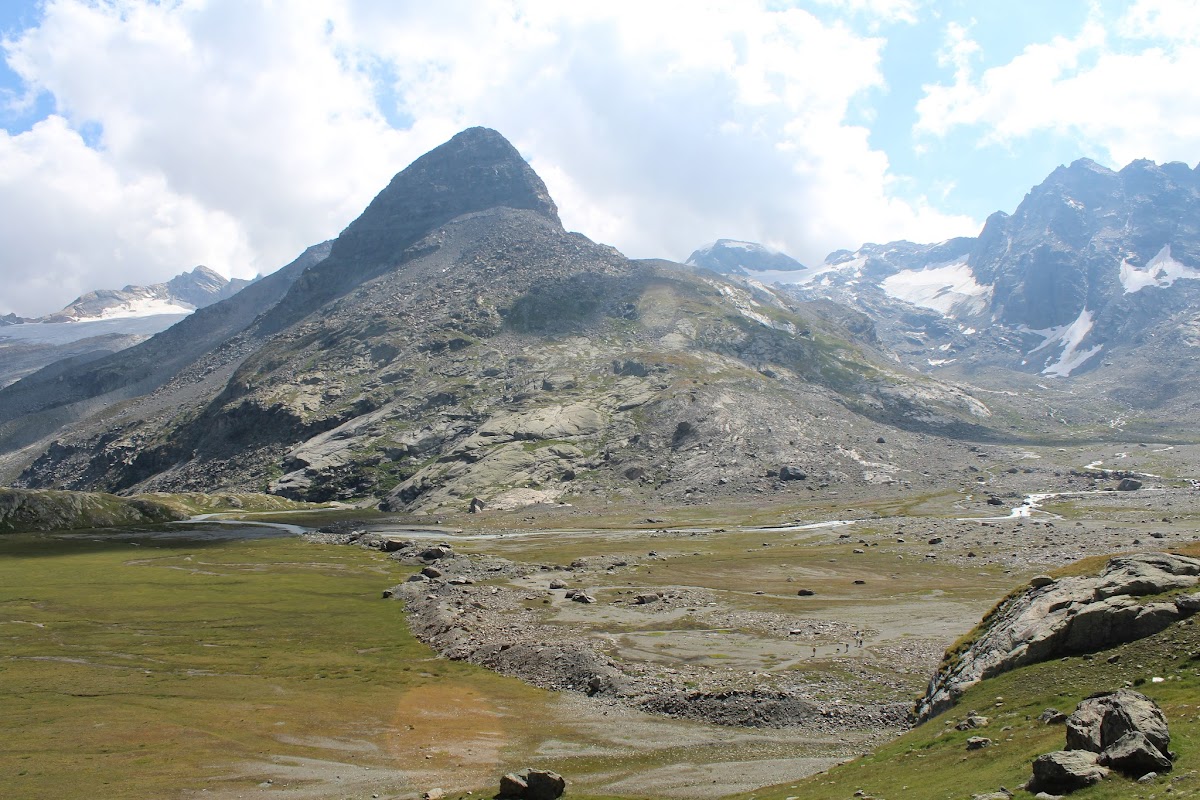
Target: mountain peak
{"points": [[475, 170], [734, 257]]}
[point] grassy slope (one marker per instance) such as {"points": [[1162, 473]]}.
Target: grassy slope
{"points": [[931, 762]]}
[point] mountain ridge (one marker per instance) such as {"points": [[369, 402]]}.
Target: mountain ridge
{"points": [[457, 344]]}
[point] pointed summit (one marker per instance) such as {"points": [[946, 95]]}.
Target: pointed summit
{"points": [[476, 170]]}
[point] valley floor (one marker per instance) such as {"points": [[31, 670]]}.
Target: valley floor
{"points": [[272, 668]]}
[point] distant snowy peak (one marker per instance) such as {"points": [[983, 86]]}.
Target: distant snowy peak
{"points": [[181, 295], [733, 257]]}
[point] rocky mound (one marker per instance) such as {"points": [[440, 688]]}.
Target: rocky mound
{"points": [[42, 510], [1053, 618]]}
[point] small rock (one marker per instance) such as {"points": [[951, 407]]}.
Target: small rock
{"points": [[972, 722], [1052, 716], [434, 794]]}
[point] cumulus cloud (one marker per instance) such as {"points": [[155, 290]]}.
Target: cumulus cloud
{"points": [[236, 132], [1124, 87]]}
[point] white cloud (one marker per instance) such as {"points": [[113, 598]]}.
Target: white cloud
{"points": [[1126, 88], [72, 223], [264, 126]]}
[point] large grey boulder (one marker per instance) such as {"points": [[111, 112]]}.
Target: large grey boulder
{"points": [[1065, 771], [533, 784], [1066, 617], [1103, 719], [1135, 755]]}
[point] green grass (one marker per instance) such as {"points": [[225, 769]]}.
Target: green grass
{"points": [[147, 669]]}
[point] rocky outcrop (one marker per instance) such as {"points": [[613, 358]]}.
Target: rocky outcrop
{"points": [[1068, 616]]}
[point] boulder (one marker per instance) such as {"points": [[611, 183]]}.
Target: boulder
{"points": [[431, 572], [557, 584], [1065, 771], [580, 597], [644, 599], [434, 553], [476, 506], [978, 742], [1101, 720], [544, 785], [1135, 755], [805, 592], [532, 784], [513, 784], [1129, 485], [790, 473]]}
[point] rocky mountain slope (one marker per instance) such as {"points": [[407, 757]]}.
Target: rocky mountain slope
{"points": [[457, 344], [1089, 266], [1095, 277]]}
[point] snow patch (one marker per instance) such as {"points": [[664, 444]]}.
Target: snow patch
{"points": [[64, 332], [803, 277], [944, 288], [1161, 271], [746, 305], [141, 307], [1070, 337]]}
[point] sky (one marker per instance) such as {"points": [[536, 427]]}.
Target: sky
{"points": [[142, 138]]}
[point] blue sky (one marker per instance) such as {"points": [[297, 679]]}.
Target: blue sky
{"points": [[142, 138]]}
